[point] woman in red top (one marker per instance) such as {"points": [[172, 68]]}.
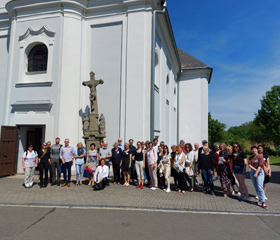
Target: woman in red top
{"points": [[256, 163]]}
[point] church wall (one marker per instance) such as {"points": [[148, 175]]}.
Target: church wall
{"points": [[165, 96], [34, 87], [138, 76], [68, 115], [193, 106], [105, 48], [3, 73]]}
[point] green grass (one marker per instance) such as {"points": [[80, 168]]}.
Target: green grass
{"points": [[273, 160]]}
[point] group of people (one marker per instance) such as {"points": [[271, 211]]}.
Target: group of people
{"points": [[153, 163], [231, 162]]}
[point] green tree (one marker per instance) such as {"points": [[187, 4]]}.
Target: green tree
{"points": [[268, 117], [248, 131], [216, 130]]}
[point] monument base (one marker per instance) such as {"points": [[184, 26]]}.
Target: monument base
{"points": [[93, 139]]}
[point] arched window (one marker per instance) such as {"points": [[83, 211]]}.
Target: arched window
{"points": [[167, 88], [38, 58]]}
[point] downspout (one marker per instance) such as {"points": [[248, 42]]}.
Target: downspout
{"points": [[178, 116], [152, 114]]}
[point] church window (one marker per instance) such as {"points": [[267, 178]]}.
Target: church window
{"points": [[167, 88], [38, 58]]}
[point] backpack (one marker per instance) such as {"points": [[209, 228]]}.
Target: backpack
{"points": [[26, 152]]}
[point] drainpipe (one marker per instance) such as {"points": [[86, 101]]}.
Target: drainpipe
{"points": [[152, 120]]}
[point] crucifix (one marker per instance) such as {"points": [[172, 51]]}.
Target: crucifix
{"points": [[92, 83]]}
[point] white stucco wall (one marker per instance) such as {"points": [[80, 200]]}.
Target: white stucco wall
{"points": [[193, 106], [3, 74], [115, 43]]}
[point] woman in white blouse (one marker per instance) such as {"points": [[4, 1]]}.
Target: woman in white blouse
{"points": [[189, 165], [165, 162], [180, 161], [101, 174]]}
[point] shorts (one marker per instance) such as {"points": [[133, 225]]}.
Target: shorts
{"points": [[238, 169], [266, 179]]}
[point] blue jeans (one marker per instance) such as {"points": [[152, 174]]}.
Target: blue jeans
{"points": [[208, 179], [79, 172], [258, 184], [67, 166]]}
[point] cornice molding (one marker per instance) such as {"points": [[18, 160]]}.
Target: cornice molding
{"points": [[32, 105], [31, 32]]}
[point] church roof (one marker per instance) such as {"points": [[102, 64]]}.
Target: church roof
{"points": [[189, 62]]}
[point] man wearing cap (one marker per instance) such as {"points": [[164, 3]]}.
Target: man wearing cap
{"points": [[200, 150]]}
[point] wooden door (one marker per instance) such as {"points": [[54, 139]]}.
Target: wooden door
{"points": [[8, 150]]}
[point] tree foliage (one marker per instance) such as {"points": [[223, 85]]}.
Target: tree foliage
{"points": [[216, 130], [268, 117], [248, 131]]}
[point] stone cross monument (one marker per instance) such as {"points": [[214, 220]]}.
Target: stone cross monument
{"points": [[94, 128]]}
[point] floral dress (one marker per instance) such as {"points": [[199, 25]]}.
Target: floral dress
{"points": [[224, 168], [92, 160]]}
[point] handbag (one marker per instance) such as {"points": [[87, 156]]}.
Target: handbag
{"points": [[98, 186], [178, 168], [189, 171], [86, 173]]}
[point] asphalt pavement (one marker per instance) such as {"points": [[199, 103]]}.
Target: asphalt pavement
{"points": [[28, 223], [78, 212]]}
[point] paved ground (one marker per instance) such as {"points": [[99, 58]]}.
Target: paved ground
{"points": [[24, 223], [116, 196]]}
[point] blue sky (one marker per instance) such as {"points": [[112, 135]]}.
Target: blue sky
{"points": [[240, 40]]}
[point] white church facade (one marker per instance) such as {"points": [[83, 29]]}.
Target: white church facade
{"points": [[49, 47]]}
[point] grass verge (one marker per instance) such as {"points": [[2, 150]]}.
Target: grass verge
{"points": [[274, 160]]}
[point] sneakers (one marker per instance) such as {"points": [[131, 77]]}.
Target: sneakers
{"points": [[238, 194], [259, 203], [265, 197], [256, 197], [233, 193], [138, 186], [264, 206], [141, 186], [153, 188], [167, 190]]}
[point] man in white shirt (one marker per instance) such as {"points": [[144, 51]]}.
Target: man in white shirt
{"points": [[106, 153], [120, 144], [155, 144]]}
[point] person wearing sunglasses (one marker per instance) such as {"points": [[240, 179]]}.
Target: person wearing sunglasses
{"points": [[44, 162], [165, 162], [256, 164], [239, 164], [29, 163], [267, 168]]}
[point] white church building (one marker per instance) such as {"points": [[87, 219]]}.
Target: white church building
{"points": [[48, 48]]}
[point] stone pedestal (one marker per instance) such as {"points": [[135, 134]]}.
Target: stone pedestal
{"points": [[94, 127]]}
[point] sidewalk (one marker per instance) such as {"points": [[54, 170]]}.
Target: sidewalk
{"points": [[13, 193]]}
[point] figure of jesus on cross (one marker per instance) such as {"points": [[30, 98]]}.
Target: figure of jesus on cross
{"points": [[92, 83]]}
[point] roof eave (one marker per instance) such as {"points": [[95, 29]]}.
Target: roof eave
{"points": [[173, 41], [201, 68]]}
